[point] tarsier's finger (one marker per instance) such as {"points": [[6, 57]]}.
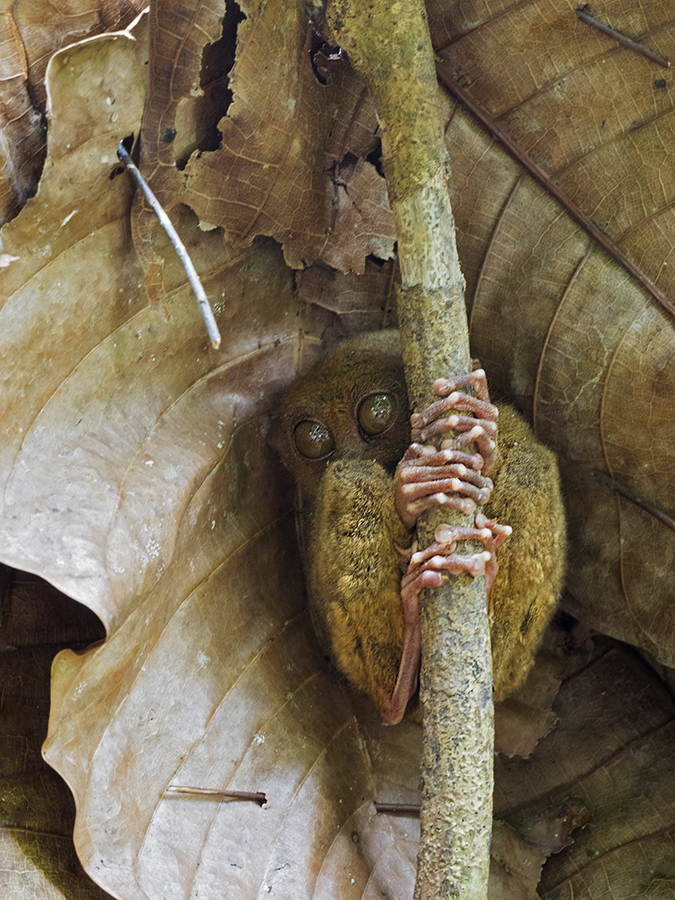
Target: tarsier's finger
{"points": [[409, 476], [458, 423], [446, 541], [499, 532], [477, 379], [409, 473], [420, 455], [472, 563], [497, 535], [479, 493], [486, 443], [456, 401], [412, 510]]}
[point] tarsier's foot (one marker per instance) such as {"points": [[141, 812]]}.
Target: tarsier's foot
{"points": [[426, 477], [425, 568], [450, 476]]}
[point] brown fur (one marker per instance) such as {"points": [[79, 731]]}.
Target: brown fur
{"points": [[351, 534]]}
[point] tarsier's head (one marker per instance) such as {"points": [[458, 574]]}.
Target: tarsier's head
{"points": [[351, 403], [342, 429]]}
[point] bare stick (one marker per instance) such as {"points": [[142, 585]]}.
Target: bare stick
{"points": [[634, 497], [622, 38], [255, 796], [179, 246], [406, 809]]}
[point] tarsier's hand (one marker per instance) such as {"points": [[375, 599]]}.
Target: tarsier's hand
{"points": [[450, 477]]}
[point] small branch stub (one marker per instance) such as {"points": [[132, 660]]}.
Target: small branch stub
{"points": [[191, 272], [584, 15], [253, 796]]}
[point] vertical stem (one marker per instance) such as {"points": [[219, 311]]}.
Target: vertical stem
{"points": [[390, 48]]}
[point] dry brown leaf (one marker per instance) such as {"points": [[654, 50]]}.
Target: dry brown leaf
{"points": [[362, 206], [586, 352], [274, 169], [612, 750], [37, 813], [30, 32], [351, 303], [526, 716], [517, 859]]}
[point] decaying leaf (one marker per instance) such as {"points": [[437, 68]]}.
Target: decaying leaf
{"points": [[273, 171], [517, 858], [612, 750], [31, 31], [526, 716]]}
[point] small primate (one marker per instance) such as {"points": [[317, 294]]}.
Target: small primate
{"points": [[364, 473]]}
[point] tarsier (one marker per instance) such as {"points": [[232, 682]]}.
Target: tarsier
{"points": [[363, 477]]}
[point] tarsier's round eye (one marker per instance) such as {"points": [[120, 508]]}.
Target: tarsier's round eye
{"points": [[313, 439], [377, 413]]}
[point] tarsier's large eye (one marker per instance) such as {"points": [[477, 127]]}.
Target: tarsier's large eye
{"points": [[313, 439], [377, 413]]}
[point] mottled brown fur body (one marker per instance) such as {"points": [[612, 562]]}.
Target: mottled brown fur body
{"points": [[352, 536]]}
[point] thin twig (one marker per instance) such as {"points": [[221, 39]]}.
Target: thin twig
{"points": [[255, 796], [634, 497], [622, 39], [550, 187], [403, 808], [193, 278]]}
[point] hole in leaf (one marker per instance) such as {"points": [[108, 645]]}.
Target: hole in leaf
{"points": [[217, 61], [320, 54], [127, 142], [375, 158]]}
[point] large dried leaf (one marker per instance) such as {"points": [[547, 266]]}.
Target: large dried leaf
{"points": [[277, 169], [30, 32], [37, 813], [560, 326], [164, 515]]}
